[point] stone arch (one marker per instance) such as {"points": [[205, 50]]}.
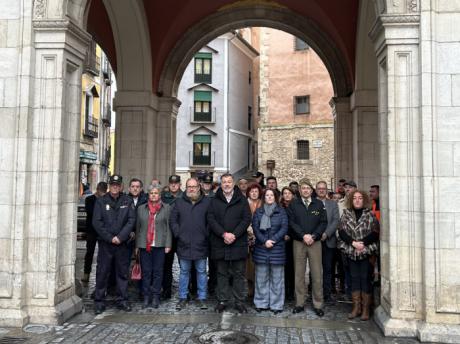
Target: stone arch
{"points": [[259, 15], [132, 44]]}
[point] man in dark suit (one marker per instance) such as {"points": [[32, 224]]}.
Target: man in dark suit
{"points": [[308, 220], [329, 240]]}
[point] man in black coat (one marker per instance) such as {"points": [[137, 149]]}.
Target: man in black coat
{"points": [[308, 220], [91, 235], [188, 222], [229, 217], [114, 219]]}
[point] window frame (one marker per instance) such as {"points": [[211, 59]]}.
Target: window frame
{"points": [[300, 44], [202, 77], [299, 151], [296, 105], [201, 160]]}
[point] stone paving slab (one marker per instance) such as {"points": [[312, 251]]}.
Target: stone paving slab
{"points": [[166, 325]]}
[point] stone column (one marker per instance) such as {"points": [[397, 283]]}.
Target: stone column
{"points": [[145, 136], [409, 248], [343, 137], [366, 157], [165, 164], [38, 265]]}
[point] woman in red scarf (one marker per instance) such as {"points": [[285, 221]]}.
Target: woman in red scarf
{"points": [[153, 241]]}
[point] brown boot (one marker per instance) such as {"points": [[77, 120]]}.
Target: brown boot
{"points": [[356, 310], [366, 305]]}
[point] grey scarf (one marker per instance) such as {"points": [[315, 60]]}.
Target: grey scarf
{"points": [[265, 222]]}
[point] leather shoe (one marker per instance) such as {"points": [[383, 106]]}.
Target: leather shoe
{"points": [[124, 306], [241, 308], [98, 309], [258, 310], [276, 311], [155, 302], [297, 309], [319, 312], [220, 307]]}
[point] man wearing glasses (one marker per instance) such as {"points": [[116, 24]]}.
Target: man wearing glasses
{"points": [[190, 227]]}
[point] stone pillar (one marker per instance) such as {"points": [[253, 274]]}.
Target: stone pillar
{"points": [[366, 150], [40, 146], [343, 137], [165, 164], [402, 221], [419, 196], [145, 135]]}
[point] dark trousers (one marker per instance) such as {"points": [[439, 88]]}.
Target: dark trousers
{"points": [[91, 240], [212, 275], [112, 255], [328, 258], [346, 274], [234, 269], [360, 275], [168, 268], [289, 276], [152, 270]]}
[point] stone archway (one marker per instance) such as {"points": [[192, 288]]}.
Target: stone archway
{"points": [[417, 126], [275, 17]]}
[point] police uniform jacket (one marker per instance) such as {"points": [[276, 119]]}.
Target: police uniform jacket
{"points": [[303, 220], [168, 198], [114, 217]]}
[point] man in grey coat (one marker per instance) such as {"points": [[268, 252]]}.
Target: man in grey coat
{"points": [[329, 240]]}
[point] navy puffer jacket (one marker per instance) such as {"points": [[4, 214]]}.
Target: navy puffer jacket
{"points": [[279, 228]]}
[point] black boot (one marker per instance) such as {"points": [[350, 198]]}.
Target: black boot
{"points": [[146, 302]]}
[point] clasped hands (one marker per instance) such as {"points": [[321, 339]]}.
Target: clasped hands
{"points": [[358, 245], [308, 239], [229, 238]]}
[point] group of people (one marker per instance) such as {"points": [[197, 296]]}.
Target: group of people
{"points": [[241, 240]]}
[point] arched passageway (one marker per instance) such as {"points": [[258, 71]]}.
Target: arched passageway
{"points": [[388, 107]]}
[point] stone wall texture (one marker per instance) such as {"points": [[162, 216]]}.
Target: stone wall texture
{"points": [[280, 144]]}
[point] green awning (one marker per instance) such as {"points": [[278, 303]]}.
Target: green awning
{"points": [[203, 55], [203, 96], [201, 138]]}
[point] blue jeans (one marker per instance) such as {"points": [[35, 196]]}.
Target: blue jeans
{"points": [[201, 277]]}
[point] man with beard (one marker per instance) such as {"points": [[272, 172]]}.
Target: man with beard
{"points": [[229, 217], [189, 225]]}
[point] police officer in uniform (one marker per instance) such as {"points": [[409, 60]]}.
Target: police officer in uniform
{"points": [[114, 219], [170, 197], [206, 186]]}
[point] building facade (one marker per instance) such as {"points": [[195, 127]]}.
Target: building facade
{"points": [[215, 130], [96, 113], [296, 126]]}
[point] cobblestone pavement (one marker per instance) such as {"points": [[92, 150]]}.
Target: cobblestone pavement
{"points": [[193, 325]]}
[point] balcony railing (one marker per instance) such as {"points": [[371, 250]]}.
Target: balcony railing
{"points": [[92, 63], [208, 161], [202, 117], [106, 71], [203, 78], [91, 128], [107, 118]]}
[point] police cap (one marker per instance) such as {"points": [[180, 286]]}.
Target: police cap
{"points": [[174, 179], [115, 179]]}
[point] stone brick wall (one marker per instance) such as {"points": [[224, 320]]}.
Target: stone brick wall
{"points": [[279, 143]]}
